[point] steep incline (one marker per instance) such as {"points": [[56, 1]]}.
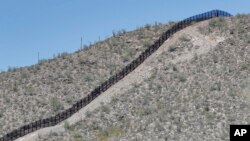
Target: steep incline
{"points": [[113, 80], [136, 77], [196, 97], [43, 90]]}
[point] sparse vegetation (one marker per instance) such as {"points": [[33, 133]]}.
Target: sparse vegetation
{"points": [[217, 22], [56, 105], [106, 135], [106, 109], [44, 89], [181, 98], [243, 67], [66, 125], [185, 38], [188, 93], [172, 48]]}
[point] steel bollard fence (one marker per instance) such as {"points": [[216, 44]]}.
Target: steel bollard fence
{"points": [[51, 121]]}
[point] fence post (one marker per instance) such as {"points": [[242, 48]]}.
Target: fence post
{"points": [[12, 135], [30, 128], [160, 41], [22, 131], [9, 136], [46, 122], [15, 134], [103, 87], [89, 97], [68, 113], [26, 131], [33, 126], [193, 18], [216, 13], [202, 17], [4, 138]]}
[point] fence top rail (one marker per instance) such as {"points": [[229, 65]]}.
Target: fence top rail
{"points": [[209, 14]]}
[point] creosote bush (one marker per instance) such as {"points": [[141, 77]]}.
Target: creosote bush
{"points": [[56, 105], [172, 48]]}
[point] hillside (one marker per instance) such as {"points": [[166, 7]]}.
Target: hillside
{"points": [[44, 89], [192, 88]]}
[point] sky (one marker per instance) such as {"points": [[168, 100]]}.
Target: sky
{"points": [[55, 26]]}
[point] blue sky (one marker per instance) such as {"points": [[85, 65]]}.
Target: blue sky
{"points": [[54, 26]]}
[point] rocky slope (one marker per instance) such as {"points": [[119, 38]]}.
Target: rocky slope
{"points": [[196, 87]]}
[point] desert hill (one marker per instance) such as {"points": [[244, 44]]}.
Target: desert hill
{"points": [[42, 90], [192, 88]]}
